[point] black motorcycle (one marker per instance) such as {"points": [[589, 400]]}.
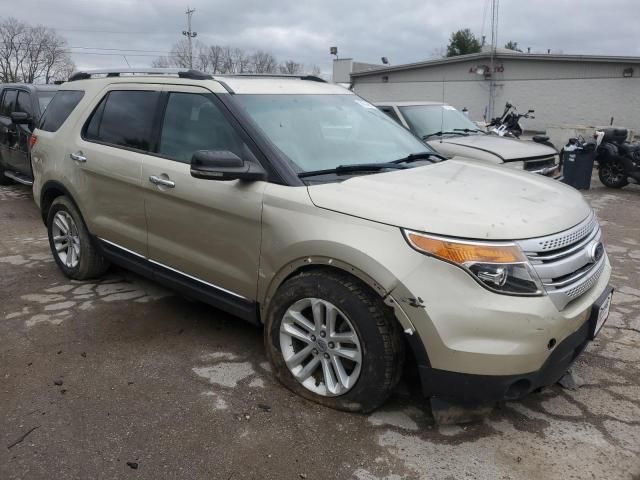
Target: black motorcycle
{"points": [[618, 160], [508, 124]]}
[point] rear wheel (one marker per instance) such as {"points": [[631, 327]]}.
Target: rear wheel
{"points": [[612, 174], [332, 340], [71, 243]]}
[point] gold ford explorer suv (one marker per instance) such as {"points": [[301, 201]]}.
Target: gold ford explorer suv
{"points": [[295, 204]]}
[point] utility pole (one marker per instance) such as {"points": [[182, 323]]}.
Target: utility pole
{"points": [[495, 5], [189, 34]]}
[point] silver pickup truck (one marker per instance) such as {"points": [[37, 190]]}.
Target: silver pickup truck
{"points": [[452, 134]]}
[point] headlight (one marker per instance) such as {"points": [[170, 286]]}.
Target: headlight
{"points": [[498, 266]]}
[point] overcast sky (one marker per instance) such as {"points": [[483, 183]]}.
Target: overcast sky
{"points": [[303, 30]]}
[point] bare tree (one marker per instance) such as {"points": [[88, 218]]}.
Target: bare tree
{"points": [[263, 62], [314, 70], [13, 50], [161, 62], [218, 59], [290, 67], [29, 54]]}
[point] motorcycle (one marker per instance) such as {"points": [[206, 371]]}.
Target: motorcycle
{"points": [[508, 124], [618, 160]]}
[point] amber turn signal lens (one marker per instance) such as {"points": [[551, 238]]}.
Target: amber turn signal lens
{"points": [[462, 252]]}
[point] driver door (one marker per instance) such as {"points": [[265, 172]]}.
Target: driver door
{"points": [[202, 231]]}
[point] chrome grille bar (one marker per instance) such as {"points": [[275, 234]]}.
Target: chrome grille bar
{"points": [[565, 261]]}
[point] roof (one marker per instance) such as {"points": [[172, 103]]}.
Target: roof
{"points": [[501, 54], [237, 83]]}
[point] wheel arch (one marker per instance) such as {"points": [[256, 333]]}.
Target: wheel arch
{"points": [[296, 267], [49, 192]]}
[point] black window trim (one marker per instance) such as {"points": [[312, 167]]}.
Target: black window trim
{"points": [[257, 155], [41, 113], [4, 92], [113, 145], [24, 90], [265, 153]]}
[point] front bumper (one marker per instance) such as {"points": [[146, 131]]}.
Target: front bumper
{"points": [[480, 346], [474, 389]]}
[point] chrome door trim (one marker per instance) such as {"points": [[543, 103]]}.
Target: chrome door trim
{"points": [[199, 280], [121, 248], [208, 284]]}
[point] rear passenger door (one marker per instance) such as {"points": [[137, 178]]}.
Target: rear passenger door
{"points": [[205, 230], [105, 163]]}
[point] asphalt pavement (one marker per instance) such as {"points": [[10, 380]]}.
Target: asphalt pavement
{"points": [[121, 378]]}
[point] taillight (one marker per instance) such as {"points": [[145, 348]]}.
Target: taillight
{"points": [[32, 141]]}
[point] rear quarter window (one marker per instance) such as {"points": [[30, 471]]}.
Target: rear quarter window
{"points": [[59, 109], [124, 118]]}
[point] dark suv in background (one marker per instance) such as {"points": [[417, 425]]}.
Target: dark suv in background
{"points": [[21, 105]]}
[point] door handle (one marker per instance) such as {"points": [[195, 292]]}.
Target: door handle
{"points": [[163, 182], [78, 157]]}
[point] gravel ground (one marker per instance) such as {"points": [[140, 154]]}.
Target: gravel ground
{"points": [[120, 378]]}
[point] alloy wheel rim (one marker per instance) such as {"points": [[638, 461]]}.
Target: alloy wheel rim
{"points": [[320, 347], [613, 172], [66, 239]]}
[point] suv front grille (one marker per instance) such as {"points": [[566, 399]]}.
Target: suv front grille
{"points": [[567, 263], [543, 166]]}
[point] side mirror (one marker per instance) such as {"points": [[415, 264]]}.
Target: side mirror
{"points": [[20, 118], [224, 165]]}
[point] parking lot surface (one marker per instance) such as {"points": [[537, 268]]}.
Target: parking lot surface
{"points": [[120, 378]]}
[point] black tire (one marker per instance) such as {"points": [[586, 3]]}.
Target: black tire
{"points": [[91, 263], [377, 329], [612, 174]]}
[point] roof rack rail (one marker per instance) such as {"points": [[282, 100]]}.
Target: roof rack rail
{"points": [[180, 72], [312, 78]]}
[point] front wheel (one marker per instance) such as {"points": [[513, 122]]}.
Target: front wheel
{"points": [[332, 340], [612, 174]]}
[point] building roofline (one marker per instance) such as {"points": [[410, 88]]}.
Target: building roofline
{"points": [[503, 56]]}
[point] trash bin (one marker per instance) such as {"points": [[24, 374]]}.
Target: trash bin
{"points": [[577, 163]]}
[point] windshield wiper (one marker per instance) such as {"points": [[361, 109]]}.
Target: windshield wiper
{"points": [[467, 130], [358, 167], [439, 134], [415, 157]]}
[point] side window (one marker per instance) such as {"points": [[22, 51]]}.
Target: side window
{"points": [[194, 122], [8, 102], [124, 118], [92, 130], [59, 109], [23, 104], [390, 112]]}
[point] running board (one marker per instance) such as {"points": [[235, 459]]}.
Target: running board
{"points": [[18, 177]]}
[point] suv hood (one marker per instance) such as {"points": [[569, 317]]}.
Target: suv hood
{"points": [[460, 198], [508, 149]]}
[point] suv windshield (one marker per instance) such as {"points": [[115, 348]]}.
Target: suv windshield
{"points": [[319, 132], [428, 120]]}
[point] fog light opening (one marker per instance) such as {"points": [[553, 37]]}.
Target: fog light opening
{"points": [[551, 344], [518, 389]]}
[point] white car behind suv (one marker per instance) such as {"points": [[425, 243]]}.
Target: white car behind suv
{"points": [[452, 134]]}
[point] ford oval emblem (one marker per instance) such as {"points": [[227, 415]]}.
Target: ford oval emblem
{"points": [[596, 252]]}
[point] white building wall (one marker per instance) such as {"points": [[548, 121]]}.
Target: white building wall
{"points": [[585, 93]]}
